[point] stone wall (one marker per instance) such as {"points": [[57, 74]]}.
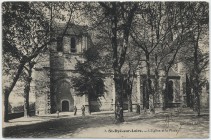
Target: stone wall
{"points": [[204, 98], [41, 85], [64, 93], [105, 101], [42, 91]]}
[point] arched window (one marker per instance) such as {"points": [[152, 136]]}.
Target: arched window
{"points": [[73, 45]]}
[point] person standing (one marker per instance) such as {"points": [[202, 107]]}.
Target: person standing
{"points": [[57, 112], [83, 110], [75, 110]]}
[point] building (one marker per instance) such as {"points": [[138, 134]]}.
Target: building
{"points": [[53, 73]]}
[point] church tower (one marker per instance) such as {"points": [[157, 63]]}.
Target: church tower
{"points": [[71, 42], [56, 91]]}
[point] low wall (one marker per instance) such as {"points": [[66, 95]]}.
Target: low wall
{"points": [[19, 114]]}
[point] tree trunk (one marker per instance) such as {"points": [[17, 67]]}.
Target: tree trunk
{"points": [[27, 90], [148, 85], [196, 81], [165, 91], [197, 102], [118, 99], [6, 103], [130, 107], [157, 89], [119, 53], [128, 89], [9, 89], [26, 96], [117, 67], [196, 92]]}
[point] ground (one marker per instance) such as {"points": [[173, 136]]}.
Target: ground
{"points": [[173, 123]]}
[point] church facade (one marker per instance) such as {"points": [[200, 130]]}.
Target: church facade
{"points": [[52, 78]]}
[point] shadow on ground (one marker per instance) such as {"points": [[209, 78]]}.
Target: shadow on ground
{"points": [[56, 127], [59, 127]]}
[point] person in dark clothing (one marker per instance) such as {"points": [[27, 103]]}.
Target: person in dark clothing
{"points": [[83, 110], [75, 110]]}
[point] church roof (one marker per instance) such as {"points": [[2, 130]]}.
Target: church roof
{"points": [[71, 30]]}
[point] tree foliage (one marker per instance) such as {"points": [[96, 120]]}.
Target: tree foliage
{"points": [[89, 75]]}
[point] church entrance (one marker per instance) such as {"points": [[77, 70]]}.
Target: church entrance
{"points": [[65, 101], [65, 105]]}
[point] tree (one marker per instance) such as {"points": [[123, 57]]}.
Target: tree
{"points": [[149, 31], [89, 79], [120, 16], [132, 62], [29, 66], [198, 17], [160, 31], [26, 33], [18, 20], [191, 27], [28, 79], [113, 19]]}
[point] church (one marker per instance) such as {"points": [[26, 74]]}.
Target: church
{"points": [[52, 78]]}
